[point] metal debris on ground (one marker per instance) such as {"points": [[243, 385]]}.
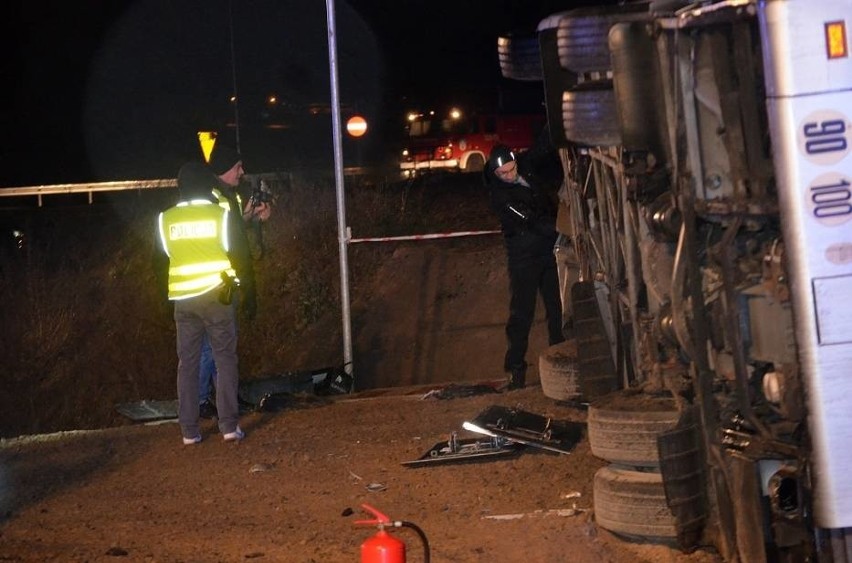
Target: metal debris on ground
{"points": [[466, 450], [143, 411], [527, 428], [537, 514], [277, 402], [453, 391], [270, 394], [323, 381]]}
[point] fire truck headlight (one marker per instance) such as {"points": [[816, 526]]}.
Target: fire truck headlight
{"points": [[443, 152]]}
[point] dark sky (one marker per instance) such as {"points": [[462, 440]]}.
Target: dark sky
{"points": [[117, 89]]}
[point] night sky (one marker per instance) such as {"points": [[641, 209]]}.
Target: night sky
{"points": [[118, 89]]}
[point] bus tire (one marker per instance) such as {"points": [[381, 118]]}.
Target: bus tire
{"points": [[582, 36], [633, 504], [519, 56], [589, 117], [623, 429], [558, 371]]}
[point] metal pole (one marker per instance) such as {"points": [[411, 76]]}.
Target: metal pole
{"points": [[342, 235], [234, 76]]}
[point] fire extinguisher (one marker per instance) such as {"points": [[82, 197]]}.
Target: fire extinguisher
{"points": [[383, 547]]}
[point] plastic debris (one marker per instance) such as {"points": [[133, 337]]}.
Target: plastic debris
{"points": [[536, 514]]}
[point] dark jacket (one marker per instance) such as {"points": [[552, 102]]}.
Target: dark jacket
{"points": [[527, 214]]}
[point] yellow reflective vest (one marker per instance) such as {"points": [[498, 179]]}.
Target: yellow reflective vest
{"points": [[194, 235], [225, 203]]}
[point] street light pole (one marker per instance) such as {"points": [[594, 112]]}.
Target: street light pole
{"points": [[342, 235]]}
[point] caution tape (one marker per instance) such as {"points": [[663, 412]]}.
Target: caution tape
{"points": [[424, 237]]}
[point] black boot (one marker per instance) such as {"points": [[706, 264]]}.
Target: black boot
{"points": [[517, 377]]}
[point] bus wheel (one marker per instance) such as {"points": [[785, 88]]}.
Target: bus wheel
{"points": [[589, 117], [519, 56], [624, 428], [558, 372], [633, 504]]}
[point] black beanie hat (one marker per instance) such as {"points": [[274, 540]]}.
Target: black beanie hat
{"points": [[196, 181], [223, 159]]}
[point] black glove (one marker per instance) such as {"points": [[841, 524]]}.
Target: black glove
{"points": [[249, 304]]}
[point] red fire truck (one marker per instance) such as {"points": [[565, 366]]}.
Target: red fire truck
{"points": [[454, 141]]}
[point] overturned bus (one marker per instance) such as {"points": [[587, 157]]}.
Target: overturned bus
{"points": [[706, 149]]}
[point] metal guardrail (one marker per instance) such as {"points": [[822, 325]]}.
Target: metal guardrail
{"points": [[91, 189], [276, 180]]}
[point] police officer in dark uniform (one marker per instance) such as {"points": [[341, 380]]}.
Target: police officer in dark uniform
{"points": [[524, 198]]}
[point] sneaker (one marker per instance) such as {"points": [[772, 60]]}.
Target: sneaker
{"points": [[207, 410], [234, 436], [191, 441]]}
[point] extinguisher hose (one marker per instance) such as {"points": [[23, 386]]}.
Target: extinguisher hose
{"points": [[420, 533]]}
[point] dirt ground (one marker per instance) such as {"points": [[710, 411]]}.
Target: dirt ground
{"points": [[293, 489], [431, 312]]}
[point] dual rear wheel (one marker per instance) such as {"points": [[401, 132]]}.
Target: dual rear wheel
{"points": [[629, 496]]}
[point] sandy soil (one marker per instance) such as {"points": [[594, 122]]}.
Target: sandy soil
{"points": [[293, 490]]}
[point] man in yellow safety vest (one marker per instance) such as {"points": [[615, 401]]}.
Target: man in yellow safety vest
{"points": [[199, 262]]}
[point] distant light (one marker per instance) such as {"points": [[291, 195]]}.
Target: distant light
{"points": [[412, 116], [431, 113], [272, 99], [455, 113], [356, 126], [233, 99]]}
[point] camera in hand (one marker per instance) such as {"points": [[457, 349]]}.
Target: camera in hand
{"points": [[261, 194]]}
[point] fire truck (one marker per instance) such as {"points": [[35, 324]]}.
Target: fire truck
{"points": [[455, 141], [708, 192]]}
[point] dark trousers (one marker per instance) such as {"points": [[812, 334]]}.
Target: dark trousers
{"points": [[193, 319], [526, 281]]}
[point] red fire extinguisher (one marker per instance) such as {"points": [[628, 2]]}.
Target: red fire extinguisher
{"points": [[383, 547]]}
